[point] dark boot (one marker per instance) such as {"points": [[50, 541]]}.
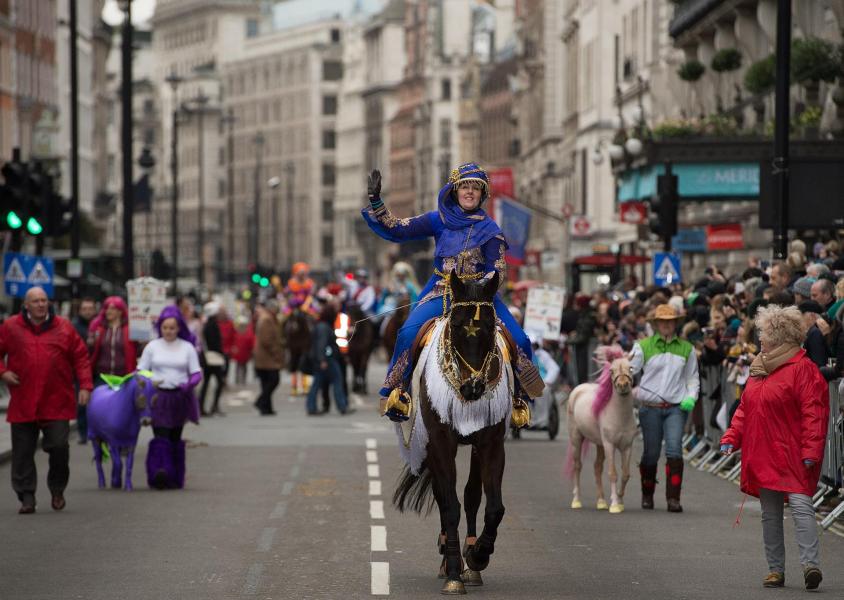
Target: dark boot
{"points": [[648, 474], [673, 483], [178, 464], [159, 463]]}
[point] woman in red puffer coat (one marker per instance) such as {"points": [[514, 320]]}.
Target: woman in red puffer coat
{"points": [[780, 427]]}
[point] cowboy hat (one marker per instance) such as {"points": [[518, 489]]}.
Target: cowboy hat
{"points": [[665, 312]]}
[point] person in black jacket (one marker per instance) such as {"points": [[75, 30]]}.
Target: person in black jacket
{"points": [[213, 359], [325, 357], [815, 344]]}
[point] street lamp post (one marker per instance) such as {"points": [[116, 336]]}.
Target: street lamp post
{"points": [[256, 206], [273, 183], [228, 120], [126, 141], [290, 174], [201, 100], [174, 81]]}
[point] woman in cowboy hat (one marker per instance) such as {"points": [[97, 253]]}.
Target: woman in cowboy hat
{"points": [[667, 392], [469, 244]]}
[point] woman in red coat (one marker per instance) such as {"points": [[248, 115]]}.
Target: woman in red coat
{"points": [[780, 427], [244, 341]]}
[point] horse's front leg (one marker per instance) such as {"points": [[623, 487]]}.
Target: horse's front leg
{"points": [[616, 505], [442, 450], [600, 456], [116, 466], [472, 495], [491, 455], [98, 461], [130, 461]]}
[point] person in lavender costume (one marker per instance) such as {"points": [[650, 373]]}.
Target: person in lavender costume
{"points": [[469, 244], [174, 363]]}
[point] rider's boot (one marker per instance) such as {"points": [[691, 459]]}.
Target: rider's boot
{"points": [[673, 483], [648, 473]]}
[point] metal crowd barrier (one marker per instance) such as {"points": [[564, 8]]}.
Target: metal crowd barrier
{"points": [[712, 378], [832, 471]]}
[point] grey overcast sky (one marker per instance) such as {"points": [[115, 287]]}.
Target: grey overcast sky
{"points": [[141, 11]]}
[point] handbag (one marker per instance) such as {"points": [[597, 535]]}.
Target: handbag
{"points": [[214, 359], [306, 364]]}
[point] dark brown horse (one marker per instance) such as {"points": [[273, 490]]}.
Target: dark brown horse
{"points": [[395, 320], [361, 344], [296, 333], [471, 329]]}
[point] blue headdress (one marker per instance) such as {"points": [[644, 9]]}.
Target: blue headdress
{"points": [[453, 239]]}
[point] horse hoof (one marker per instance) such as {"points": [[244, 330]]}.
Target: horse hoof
{"points": [[473, 564], [616, 509], [602, 505], [576, 504], [453, 587], [472, 578]]}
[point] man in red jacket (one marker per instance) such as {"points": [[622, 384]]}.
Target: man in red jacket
{"points": [[40, 357]]}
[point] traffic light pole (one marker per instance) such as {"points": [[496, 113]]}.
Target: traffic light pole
{"points": [[781, 133], [74, 146], [126, 142]]}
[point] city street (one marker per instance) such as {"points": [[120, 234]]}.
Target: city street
{"points": [[285, 507]]}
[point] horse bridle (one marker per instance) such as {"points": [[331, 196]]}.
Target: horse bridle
{"points": [[615, 378], [479, 374]]}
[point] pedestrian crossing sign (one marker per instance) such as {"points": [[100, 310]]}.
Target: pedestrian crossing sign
{"points": [[666, 269], [24, 271]]}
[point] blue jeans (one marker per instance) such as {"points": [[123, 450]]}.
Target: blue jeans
{"points": [[334, 374], [658, 424]]}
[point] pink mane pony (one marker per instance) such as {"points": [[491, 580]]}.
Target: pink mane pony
{"points": [[605, 355]]}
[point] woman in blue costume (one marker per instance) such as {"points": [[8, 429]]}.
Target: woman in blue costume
{"points": [[469, 243]]}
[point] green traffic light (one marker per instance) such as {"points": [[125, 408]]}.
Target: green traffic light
{"points": [[13, 220], [256, 278], [265, 282], [33, 226]]}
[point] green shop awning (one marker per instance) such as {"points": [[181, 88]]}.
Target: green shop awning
{"points": [[695, 180]]}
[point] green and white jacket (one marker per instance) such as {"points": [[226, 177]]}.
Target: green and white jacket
{"points": [[669, 369]]}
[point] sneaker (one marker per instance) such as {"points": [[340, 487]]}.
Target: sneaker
{"points": [[674, 505], [774, 580], [648, 502], [812, 577]]}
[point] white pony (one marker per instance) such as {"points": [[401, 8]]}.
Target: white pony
{"points": [[602, 413]]}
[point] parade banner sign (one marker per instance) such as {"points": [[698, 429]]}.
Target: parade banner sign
{"points": [[147, 298], [544, 311], [515, 224]]}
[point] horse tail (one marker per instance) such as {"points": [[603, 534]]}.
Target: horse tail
{"points": [[414, 492], [568, 468]]}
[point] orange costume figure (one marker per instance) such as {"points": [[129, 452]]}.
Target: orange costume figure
{"points": [[299, 290]]}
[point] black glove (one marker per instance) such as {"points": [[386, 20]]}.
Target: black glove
{"points": [[374, 185]]}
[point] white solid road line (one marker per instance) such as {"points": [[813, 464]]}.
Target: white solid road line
{"points": [[371, 456], [374, 487], [378, 538], [376, 509], [380, 579], [373, 471], [265, 542]]}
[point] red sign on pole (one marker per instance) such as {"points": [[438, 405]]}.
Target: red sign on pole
{"points": [[501, 182], [635, 213], [724, 237]]}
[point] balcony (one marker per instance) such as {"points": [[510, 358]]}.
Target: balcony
{"points": [[688, 13]]}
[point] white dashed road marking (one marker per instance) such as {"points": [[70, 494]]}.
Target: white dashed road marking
{"points": [[380, 579], [380, 571], [376, 509]]}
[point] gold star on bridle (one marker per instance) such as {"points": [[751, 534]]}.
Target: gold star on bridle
{"points": [[471, 330]]}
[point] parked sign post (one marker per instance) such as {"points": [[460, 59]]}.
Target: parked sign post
{"points": [[147, 298], [544, 311]]}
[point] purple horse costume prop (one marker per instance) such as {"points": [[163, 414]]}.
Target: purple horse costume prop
{"points": [[114, 418]]}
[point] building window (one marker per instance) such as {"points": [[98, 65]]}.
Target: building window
{"points": [[445, 132], [328, 245], [221, 188], [149, 136], [329, 139], [329, 105], [221, 156], [327, 210], [445, 87], [332, 70], [329, 174], [335, 36], [251, 28]]}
